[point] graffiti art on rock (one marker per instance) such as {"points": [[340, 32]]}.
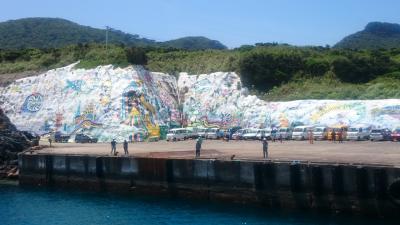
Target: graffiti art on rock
{"points": [[123, 103], [207, 96], [105, 102], [33, 103]]}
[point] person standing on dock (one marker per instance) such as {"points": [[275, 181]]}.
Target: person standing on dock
{"points": [[265, 148], [126, 147], [340, 136], [198, 146], [50, 141], [310, 137], [113, 147]]}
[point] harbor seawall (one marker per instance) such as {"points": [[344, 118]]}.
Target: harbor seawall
{"points": [[359, 189]]}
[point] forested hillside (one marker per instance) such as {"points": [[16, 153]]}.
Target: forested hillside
{"points": [[54, 33], [376, 35], [274, 72]]}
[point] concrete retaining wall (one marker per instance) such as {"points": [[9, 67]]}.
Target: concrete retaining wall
{"points": [[359, 189]]}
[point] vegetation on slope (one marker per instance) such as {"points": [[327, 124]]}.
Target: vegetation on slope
{"points": [[194, 43], [376, 35], [274, 72], [55, 33]]}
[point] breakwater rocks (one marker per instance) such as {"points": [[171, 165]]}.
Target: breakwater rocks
{"points": [[359, 189]]}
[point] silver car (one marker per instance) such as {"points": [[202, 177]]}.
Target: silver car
{"points": [[212, 133]]}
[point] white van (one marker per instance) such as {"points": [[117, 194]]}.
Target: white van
{"points": [[285, 133], [301, 132], [359, 132], [251, 134], [264, 133], [177, 134], [212, 133], [201, 132], [320, 133]]}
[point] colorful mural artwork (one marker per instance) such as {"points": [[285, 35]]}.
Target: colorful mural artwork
{"points": [[210, 98], [133, 103], [104, 102], [33, 103]]}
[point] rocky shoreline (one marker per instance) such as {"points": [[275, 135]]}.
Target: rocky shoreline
{"points": [[12, 142]]}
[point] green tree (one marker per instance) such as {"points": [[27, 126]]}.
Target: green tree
{"points": [[136, 56]]}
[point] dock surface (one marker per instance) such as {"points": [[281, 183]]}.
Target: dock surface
{"points": [[352, 152]]}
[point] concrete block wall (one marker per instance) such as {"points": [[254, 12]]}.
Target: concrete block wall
{"points": [[361, 189]]}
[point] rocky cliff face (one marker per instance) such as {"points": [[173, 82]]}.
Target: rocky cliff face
{"points": [[108, 102], [12, 141]]}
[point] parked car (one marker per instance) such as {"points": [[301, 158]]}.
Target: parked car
{"points": [[201, 132], [59, 137], [231, 131], [285, 133], [380, 134], [191, 132], [320, 133], [301, 132], [212, 133], [177, 134], [250, 134], [83, 138], [264, 133], [238, 135], [396, 134], [358, 132]]}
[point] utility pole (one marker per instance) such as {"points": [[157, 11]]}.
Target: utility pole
{"points": [[107, 43]]}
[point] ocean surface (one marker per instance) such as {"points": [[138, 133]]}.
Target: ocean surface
{"points": [[31, 206]]}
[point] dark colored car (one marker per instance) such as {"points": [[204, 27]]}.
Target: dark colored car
{"points": [[396, 134], [380, 135], [60, 137], [83, 138]]}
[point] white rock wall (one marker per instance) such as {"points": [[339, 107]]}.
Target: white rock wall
{"points": [[109, 102], [218, 99], [105, 102]]}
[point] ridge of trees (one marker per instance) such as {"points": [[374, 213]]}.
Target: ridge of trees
{"points": [[273, 71]]}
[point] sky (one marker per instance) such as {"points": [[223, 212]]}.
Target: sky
{"points": [[233, 22]]}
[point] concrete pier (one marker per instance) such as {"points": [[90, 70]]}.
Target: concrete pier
{"points": [[359, 189]]}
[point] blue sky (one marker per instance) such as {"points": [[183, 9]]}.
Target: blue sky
{"points": [[234, 23]]}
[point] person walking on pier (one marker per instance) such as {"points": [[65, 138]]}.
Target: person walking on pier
{"points": [[126, 147], [113, 147], [198, 146], [265, 148], [50, 141]]}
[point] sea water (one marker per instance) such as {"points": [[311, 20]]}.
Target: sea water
{"points": [[31, 206]]}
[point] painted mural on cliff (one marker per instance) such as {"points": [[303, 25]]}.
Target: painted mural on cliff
{"points": [[109, 102], [105, 102], [218, 99]]}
